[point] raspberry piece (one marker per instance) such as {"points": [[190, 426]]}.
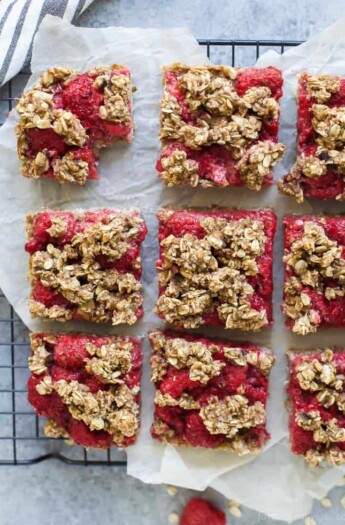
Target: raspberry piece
{"points": [[201, 512], [82, 99], [176, 382]]}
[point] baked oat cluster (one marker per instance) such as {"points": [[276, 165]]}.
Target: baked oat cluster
{"points": [[87, 386], [215, 268], [85, 265], [68, 116], [219, 126], [314, 289], [317, 406], [209, 393], [319, 170]]}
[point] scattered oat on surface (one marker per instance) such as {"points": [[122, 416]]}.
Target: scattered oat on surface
{"points": [[174, 517], [309, 521], [326, 503], [171, 490], [235, 509]]}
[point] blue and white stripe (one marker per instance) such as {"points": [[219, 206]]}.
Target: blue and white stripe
{"points": [[19, 21]]}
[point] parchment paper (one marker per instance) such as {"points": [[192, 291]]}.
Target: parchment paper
{"points": [[276, 483]]}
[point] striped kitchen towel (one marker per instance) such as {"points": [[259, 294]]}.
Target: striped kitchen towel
{"points": [[19, 21]]}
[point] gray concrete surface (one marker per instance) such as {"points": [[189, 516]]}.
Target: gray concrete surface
{"points": [[55, 493]]}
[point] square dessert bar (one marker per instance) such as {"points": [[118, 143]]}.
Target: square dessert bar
{"points": [[314, 257], [317, 405], [215, 268], [87, 386], [67, 116], [209, 393], [85, 265], [319, 170], [219, 126]]}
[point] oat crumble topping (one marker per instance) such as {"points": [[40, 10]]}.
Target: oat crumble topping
{"points": [[113, 410], [258, 161], [110, 361], [185, 401], [177, 169], [231, 415], [180, 353], [314, 258], [53, 430], [69, 169], [211, 273], [116, 90], [321, 87], [73, 271]]}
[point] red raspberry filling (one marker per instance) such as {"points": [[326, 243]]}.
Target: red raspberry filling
{"points": [[67, 360], [45, 139], [201, 512]]}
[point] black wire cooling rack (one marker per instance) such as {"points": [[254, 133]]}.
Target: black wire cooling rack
{"points": [[22, 440]]}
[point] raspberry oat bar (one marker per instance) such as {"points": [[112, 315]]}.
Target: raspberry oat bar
{"points": [[88, 386], [67, 116], [215, 268], [319, 170], [85, 265], [317, 405], [219, 126], [314, 257], [209, 393]]}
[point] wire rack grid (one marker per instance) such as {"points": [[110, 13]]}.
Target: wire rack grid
{"points": [[22, 440]]}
